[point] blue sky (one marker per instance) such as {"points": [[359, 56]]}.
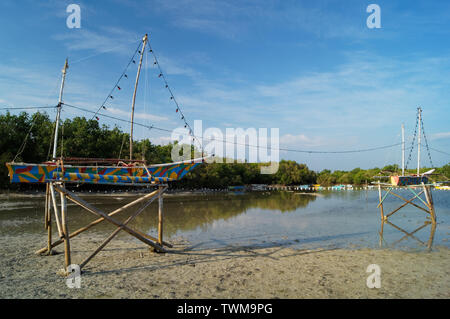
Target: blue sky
{"points": [[313, 69]]}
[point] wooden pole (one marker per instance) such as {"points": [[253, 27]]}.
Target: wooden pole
{"points": [[46, 207], [65, 229], [160, 215], [144, 40], [430, 240], [48, 220], [381, 234], [110, 237], [430, 202], [55, 209], [381, 202], [97, 221]]}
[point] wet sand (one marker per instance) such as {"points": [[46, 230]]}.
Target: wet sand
{"points": [[125, 269]]}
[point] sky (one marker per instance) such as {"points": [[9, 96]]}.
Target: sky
{"points": [[312, 69]]}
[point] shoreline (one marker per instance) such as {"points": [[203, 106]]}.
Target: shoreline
{"points": [[170, 192]]}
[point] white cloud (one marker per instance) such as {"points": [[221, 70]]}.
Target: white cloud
{"points": [[171, 67], [137, 115], [110, 39], [300, 140], [439, 136]]}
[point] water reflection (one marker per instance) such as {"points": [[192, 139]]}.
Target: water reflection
{"points": [[192, 212], [409, 235], [347, 219]]}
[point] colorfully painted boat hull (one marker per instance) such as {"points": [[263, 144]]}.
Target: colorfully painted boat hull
{"points": [[408, 180], [42, 173]]}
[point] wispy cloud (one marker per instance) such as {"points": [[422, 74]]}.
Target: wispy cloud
{"points": [[138, 115], [300, 140], [236, 19], [440, 136], [108, 39]]}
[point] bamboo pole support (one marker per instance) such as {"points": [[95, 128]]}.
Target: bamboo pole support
{"points": [[403, 205], [48, 220], [381, 203], [98, 212], [427, 191], [110, 237], [65, 229], [97, 221], [46, 206], [430, 240], [55, 209], [401, 197], [381, 235], [160, 216]]}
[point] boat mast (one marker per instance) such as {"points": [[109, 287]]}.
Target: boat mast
{"points": [[419, 110], [58, 114], [403, 149], [144, 40]]}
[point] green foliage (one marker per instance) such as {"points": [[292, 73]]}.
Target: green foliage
{"points": [[80, 137]]}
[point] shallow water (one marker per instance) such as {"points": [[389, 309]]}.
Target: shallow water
{"points": [[342, 219]]}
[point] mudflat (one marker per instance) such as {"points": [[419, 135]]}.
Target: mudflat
{"points": [[127, 269]]}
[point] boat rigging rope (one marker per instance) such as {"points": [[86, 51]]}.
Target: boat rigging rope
{"points": [[412, 143], [236, 143], [116, 85], [426, 143], [172, 97], [51, 142], [22, 147]]}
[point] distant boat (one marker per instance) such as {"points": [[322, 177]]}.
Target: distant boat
{"points": [[236, 188], [412, 179]]}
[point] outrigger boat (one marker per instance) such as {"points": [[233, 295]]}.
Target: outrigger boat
{"points": [[412, 179], [128, 172], [119, 171]]}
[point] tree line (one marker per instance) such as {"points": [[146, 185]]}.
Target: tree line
{"points": [[28, 138]]}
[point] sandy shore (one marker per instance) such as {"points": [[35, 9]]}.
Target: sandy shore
{"points": [[129, 270]]}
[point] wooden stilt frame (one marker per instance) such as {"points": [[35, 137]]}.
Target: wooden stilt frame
{"points": [[155, 243], [427, 202]]}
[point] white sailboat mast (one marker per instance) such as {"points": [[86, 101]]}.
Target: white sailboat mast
{"points": [[418, 140], [58, 115], [403, 149]]}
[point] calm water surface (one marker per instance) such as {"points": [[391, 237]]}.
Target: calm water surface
{"points": [[344, 219]]}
